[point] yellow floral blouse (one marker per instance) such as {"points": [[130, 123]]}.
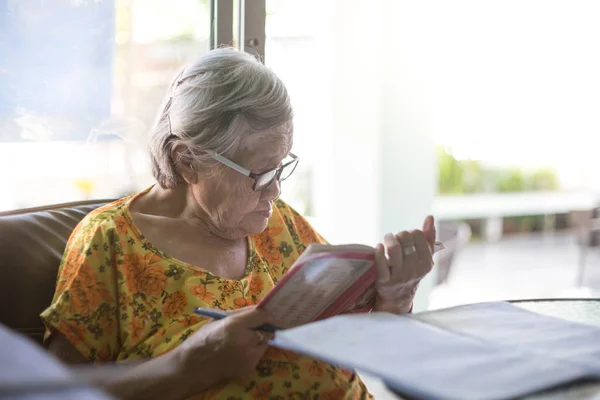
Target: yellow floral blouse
{"points": [[119, 298]]}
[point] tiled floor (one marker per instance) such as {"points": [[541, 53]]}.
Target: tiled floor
{"points": [[532, 266], [527, 266]]}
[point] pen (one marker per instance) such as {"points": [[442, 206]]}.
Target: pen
{"points": [[220, 314]]}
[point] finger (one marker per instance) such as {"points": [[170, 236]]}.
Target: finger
{"points": [[429, 230], [408, 253], [407, 241], [241, 309], [394, 250], [250, 317], [381, 265], [423, 250], [261, 337]]}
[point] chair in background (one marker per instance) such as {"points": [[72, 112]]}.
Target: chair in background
{"points": [[455, 235], [586, 225]]}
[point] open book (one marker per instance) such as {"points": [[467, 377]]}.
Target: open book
{"points": [[324, 281]]}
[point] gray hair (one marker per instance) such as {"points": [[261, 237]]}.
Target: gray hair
{"points": [[206, 106]]}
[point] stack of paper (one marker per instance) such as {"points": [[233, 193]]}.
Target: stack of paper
{"points": [[483, 351]]}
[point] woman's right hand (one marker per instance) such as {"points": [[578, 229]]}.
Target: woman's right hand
{"points": [[227, 348]]}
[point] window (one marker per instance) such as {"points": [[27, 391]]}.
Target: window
{"points": [[80, 85]]}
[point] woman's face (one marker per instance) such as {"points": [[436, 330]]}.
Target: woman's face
{"points": [[228, 203]]}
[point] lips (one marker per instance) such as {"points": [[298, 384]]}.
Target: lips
{"points": [[266, 213]]}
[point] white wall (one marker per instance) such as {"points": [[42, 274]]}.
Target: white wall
{"points": [[376, 165]]}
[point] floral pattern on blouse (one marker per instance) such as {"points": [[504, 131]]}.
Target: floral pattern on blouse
{"points": [[118, 298]]}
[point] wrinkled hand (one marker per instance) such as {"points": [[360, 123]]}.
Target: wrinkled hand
{"points": [[409, 259], [227, 348]]}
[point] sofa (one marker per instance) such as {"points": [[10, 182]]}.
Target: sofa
{"points": [[32, 242]]}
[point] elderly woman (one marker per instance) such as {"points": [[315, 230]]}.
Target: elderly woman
{"points": [[211, 233]]}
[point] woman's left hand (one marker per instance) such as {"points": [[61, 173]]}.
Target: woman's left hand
{"points": [[409, 259]]}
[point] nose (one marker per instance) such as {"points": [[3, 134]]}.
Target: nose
{"points": [[272, 192]]}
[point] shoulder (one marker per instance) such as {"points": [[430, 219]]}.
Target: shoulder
{"points": [[298, 226], [106, 221], [284, 209], [106, 213], [284, 215]]}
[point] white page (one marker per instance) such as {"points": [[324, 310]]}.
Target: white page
{"points": [[425, 361], [24, 362], [505, 324]]}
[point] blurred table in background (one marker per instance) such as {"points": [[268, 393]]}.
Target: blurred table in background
{"points": [[493, 207]]}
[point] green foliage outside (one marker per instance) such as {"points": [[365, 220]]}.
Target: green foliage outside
{"points": [[456, 177], [469, 176]]}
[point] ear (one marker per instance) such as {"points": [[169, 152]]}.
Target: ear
{"points": [[182, 159]]}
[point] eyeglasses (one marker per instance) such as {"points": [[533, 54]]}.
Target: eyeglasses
{"points": [[264, 179]]}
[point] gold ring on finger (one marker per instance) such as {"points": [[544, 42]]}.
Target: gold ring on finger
{"points": [[408, 250]]}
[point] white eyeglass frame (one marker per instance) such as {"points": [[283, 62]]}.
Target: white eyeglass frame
{"points": [[227, 162]]}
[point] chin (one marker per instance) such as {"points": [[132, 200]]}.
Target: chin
{"points": [[256, 227], [261, 228]]}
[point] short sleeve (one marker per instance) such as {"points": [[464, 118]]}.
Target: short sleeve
{"points": [[84, 307]]}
